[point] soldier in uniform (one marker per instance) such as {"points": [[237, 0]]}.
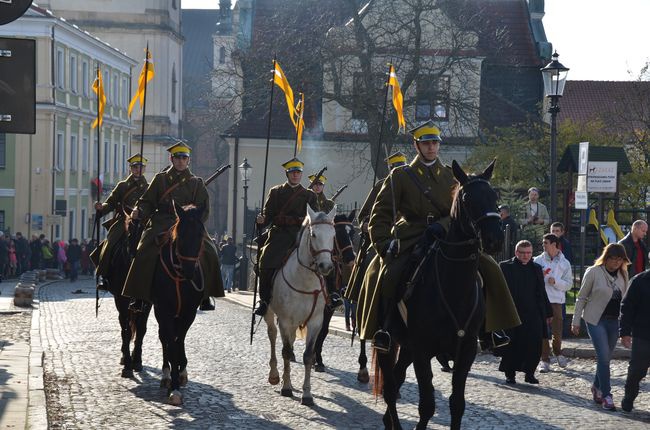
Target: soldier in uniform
{"points": [[284, 212], [121, 201], [394, 239], [323, 204], [175, 184]]}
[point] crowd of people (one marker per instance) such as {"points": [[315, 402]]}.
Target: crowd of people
{"points": [[18, 255]]}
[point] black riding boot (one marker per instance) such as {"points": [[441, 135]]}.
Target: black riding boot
{"points": [[334, 297], [206, 305], [489, 341], [381, 340], [266, 288]]}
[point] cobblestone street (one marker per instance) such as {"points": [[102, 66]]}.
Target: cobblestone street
{"points": [[228, 388]]}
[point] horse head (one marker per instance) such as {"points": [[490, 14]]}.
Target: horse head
{"points": [[345, 232], [319, 227], [474, 210], [188, 236]]}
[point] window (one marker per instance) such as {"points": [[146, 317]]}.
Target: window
{"points": [[432, 99], [360, 96], [174, 4], [115, 159], [57, 231], [73, 74], [85, 154], [60, 69], [106, 155], [84, 78], [123, 160], [107, 85], [116, 88], [3, 150], [174, 88], [73, 153], [60, 152], [83, 224], [222, 55], [125, 92]]}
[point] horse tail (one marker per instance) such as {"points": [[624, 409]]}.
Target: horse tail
{"points": [[301, 332], [378, 376]]}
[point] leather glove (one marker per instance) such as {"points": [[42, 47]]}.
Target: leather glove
{"points": [[435, 231]]}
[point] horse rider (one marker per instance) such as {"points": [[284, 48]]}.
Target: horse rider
{"points": [[121, 201], [323, 204], [366, 255], [413, 199], [284, 211], [174, 184]]}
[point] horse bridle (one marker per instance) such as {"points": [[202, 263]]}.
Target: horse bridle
{"points": [[314, 252], [475, 222], [336, 242]]}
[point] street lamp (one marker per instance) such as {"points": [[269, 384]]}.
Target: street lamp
{"points": [[245, 170], [554, 74]]}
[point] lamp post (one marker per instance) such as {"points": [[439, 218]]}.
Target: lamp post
{"points": [[245, 171], [554, 74]]}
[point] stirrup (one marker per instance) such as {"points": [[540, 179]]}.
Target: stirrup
{"points": [[102, 284], [261, 308], [493, 340], [381, 341]]}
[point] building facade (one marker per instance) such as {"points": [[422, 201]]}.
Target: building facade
{"points": [[46, 178]]}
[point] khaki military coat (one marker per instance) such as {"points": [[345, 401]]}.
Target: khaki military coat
{"points": [[156, 205], [284, 212], [323, 204], [121, 201]]}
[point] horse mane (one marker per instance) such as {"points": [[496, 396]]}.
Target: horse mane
{"points": [[455, 204]]}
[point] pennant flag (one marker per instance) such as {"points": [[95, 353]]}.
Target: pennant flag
{"points": [[300, 108], [398, 99], [281, 81], [594, 221], [98, 88], [611, 223], [147, 70]]}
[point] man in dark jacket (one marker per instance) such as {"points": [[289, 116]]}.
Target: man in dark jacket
{"points": [[23, 253], [635, 333], [228, 257], [526, 284], [35, 246], [73, 254], [635, 247], [508, 225]]}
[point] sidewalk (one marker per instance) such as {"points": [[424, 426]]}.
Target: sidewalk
{"points": [[572, 347]]}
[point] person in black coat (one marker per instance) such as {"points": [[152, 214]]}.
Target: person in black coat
{"points": [[526, 283], [635, 247]]}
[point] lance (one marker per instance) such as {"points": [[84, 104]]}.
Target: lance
{"points": [[144, 98], [99, 166], [338, 192], [217, 173], [317, 176]]}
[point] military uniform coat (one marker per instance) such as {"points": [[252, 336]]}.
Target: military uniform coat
{"points": [[122, 200], [323, 204], [156, 205], [284, 211]]}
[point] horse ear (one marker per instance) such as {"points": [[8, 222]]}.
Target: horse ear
{"points": [[310, 213], [332, 213], [487, 173], [352, 215], [459, 174]]}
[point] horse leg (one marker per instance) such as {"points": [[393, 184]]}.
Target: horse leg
{"points": [[140, 322], [122, 306], [287, 353], [272, 332], [404, 360], [308, 356], [362, 375], [187, 320], [427, 405], [386, 363], [165, 381], [458, 381], [322, 334]]}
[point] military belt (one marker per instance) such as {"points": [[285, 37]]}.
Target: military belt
{"points": [[287, 220]]}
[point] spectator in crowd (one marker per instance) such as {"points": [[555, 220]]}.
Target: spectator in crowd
{"points": [[535, 212], [73, 255], [13, 260], [228, 261], [4, 255], [86, 267], [526, 283], [636, 249], [22, 253], [635, 334], [508, 224], [37, 256], [557, 280], [557, 228], [48, 254], [599, 303], [61, 258]]}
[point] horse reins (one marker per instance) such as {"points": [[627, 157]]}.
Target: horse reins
{"points": [[175, 274]]}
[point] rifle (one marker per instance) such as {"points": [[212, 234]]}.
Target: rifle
{"points": [[338, 192], [316, 177], [216, 174]]}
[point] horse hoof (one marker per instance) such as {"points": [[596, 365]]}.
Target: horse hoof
{"points": [[307, 401], [127, 373], [182, 378], [363, 376], [137, 366], [166, 383], [319, 367], [274, 380], [287, 392], [175, 398]]}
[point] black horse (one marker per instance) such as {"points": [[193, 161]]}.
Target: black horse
{"points": [[133, 325], [177, 294], [445, 305], [343, 256]]}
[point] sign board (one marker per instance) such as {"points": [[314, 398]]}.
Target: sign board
{"points": [[583, 158], [53, 219], [11, 10], [581, 200], [601, 177], [37, 222]]}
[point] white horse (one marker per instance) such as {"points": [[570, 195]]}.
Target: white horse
{"points": [[299, 296]]}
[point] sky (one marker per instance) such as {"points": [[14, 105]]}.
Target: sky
{"points": [[596, 39]]}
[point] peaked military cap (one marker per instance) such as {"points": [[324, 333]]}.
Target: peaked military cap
{"points": [[321, 179], [180, 148], [293, 165], [426, 131], [396, 159], [137, 160]]}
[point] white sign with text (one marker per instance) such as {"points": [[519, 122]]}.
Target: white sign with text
{"points": [[602, 176]]}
